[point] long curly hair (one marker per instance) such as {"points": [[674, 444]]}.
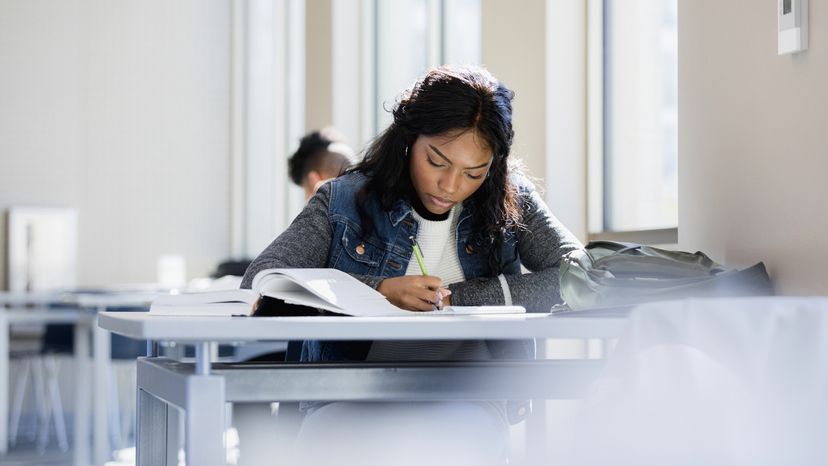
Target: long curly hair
{"points": [[449, 99]]}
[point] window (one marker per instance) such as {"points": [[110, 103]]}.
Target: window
{"points": [[378, 49], [461, 31], [268, 79], [637, 166], [414, 35]]}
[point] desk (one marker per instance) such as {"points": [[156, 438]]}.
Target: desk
{"points": [[83, 323], [102, 368], [79, 309], [202, 388]]}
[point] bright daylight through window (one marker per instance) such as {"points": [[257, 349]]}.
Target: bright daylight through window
{"points": [[640, 183]]}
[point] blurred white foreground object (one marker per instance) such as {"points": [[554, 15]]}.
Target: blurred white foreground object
{"points": [[731, 381]]}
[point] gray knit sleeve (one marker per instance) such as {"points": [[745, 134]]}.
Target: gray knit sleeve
{"points": [[304, 244], [541, 245]]}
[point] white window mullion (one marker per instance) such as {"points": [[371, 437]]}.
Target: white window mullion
{"points": [[565, 112], [435, 32], [368, 90], [278, 122], [294, 110], [264, 125], [237, 128], [345, 41], [595, 115]]}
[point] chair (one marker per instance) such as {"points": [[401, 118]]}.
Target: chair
{"points": [[42, 369], [59, 339]]}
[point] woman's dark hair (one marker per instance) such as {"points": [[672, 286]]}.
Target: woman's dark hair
{"points": [[322, 151], [449, 99]]}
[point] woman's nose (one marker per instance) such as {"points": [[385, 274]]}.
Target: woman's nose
{"points": [[449, 183]]}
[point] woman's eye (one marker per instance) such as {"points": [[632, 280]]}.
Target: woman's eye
{"points": [[432, 163], [474, 177]]}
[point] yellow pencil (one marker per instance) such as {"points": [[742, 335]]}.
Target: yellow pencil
{"points": [[418, 254]]}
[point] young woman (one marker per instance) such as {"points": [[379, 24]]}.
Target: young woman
{"points": [[441, 174]]}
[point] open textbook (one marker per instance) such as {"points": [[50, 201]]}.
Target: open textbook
{"points": [[302, 292]]}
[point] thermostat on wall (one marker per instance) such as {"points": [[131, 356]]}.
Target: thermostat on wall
{"points": [[793, 26]]}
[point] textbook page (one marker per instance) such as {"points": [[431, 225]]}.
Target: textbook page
{"points": [[336, 291], [205, 303], [207, 297], [329, 289]]}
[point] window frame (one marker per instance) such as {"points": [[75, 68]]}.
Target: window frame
{"points": [[597, 152]]}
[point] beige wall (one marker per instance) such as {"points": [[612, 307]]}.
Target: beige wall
{"points": [[753, 141], [120, 109], [518, 59], [318, 64]]}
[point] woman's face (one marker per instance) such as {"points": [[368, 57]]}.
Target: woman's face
{"points": [[448, 168]]}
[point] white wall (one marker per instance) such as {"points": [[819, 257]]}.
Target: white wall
{"points": [[120, 109], [753, 141]]}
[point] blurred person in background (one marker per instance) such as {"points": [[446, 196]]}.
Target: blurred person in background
{"points": [[321, 156]]}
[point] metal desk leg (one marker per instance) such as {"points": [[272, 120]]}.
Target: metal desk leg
{"points": [[4, 383], [536, 434], [202, 398], [204, 426], [204, 423], [205, 411], [102, 369], [82, 395]]}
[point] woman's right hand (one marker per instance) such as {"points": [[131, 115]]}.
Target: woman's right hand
{"points": [[414, 292]]}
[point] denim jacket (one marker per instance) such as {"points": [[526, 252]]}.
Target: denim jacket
{"points": [[386, 252], [328, 233]]}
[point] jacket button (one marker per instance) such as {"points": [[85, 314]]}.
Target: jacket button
{"points": [[360, 249], [469, 249]]}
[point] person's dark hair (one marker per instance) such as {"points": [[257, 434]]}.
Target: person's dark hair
{"points": [[322, 151], [449, 99]]}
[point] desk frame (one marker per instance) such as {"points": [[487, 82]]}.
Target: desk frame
{"points": [[33, 308], [202, 388], [164, 382]]}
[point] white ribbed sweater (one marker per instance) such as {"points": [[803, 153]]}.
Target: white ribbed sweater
{"points": [[438, 243]]}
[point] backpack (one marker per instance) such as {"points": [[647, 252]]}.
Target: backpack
{"points": [[608, 274]]}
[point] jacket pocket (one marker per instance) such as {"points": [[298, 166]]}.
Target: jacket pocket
{"points": [[357, 255]]}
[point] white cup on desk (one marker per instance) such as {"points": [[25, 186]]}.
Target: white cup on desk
{"points": [[171, 271]]}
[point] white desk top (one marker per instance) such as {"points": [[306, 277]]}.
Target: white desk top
{"points": [[83, 299], [119, 299], [13, 298], [142, 325], [43, 316]]}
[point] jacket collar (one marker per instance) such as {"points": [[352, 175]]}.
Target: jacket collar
{"points": [[466, 213], [399, 211], [402, 209]]}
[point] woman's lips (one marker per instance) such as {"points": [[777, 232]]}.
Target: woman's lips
{"points": [[440, 202]]}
